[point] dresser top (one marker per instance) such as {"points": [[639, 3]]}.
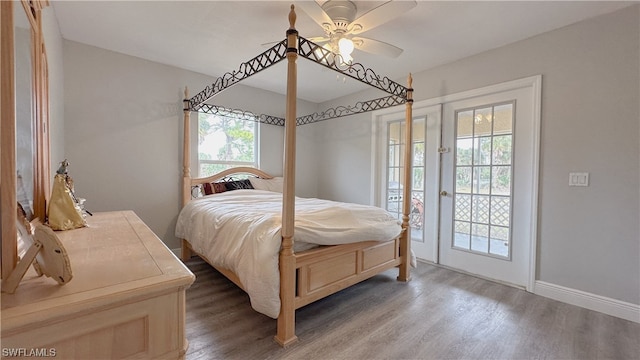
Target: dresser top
{"points": [[116, 258]]}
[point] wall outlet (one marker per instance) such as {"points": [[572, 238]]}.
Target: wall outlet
{"points": [[579, 179]]}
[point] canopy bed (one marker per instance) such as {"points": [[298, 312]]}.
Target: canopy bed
{"points": [[308, 275]]}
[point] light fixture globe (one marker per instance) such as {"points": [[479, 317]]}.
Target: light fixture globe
{"points": [[345, 46]]}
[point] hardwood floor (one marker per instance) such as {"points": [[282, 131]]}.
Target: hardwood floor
{"points": [[440, 314]]}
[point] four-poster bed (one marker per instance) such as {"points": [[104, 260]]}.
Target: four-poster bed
{"points": [[308, 275]]}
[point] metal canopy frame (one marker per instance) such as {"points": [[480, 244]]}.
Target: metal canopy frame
{"points": [[317, 54]]}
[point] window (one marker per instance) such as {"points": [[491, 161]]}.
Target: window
{"points": [[226, 140], [483, 179]]}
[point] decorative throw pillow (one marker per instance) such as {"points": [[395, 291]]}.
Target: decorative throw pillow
{"points": [[213, 188], [238, 184], [275, 184]]}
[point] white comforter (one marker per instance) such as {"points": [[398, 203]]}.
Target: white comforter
{"points": [[240, 230]]}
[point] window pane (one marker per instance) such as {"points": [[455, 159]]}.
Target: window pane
{"points": [[503, 119], [482, 120], [500, 210], [463, 180], [481, 179], [462, 235], [464, 151], [210, 169], [416, 215], [463, 207], [395, 135], [465, 124], [418, 178], [480, 209], [480, 238], [394, 153], [394, 178], [418, 154], [482, 151], [499, 241], [501, 182], [225, 138], [393, 203], [418, 130], [502, 150]]}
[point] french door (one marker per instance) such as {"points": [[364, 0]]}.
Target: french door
{"points": [[423, 216], [488, 185]]}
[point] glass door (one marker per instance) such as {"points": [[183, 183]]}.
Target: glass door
{"points": [[423, 216], [487, 201]]}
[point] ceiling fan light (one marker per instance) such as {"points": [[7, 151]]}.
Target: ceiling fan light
{"points": [[346, 47]]}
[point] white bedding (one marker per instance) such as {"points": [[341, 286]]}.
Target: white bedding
{"points": [[240, 230]]}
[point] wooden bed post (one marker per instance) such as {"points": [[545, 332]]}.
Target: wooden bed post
{"points": [[186, 167], [287, 318], [405, 240]]}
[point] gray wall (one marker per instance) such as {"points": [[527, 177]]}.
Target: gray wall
{"points": [[123, 133], [588, 238]]}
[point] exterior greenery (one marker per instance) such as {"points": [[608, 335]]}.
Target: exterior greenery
{"points": [[225, 141]]}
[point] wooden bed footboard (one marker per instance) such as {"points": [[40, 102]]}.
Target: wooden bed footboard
{"points": [[325, 270]]}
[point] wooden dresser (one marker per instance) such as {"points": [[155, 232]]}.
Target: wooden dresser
{"points": [[126, 298]]}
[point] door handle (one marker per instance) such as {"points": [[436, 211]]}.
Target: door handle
{"points": [[443, 193]]}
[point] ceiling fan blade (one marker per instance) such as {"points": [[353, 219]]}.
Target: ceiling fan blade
{"points": [[319, 39], [316, 13], [380, 15], [269, 44], [376, 47]]}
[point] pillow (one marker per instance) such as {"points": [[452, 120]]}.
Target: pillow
{"points": [[238, 184], [276, 184], [213, 188]]}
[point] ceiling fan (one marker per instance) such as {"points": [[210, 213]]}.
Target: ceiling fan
{"points": [[341, 27]]}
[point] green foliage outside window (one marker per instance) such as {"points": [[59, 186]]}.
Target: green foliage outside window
{"points": [[225, 141]]}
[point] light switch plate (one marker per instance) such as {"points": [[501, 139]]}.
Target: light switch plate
{"points": [[579, 179]]}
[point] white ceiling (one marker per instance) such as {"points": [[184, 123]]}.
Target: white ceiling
{"points": [[214, 37]]}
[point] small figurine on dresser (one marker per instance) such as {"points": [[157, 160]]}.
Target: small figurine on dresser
{"points": [[65, 210]]}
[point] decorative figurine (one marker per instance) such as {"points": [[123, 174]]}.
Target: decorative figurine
{"points": [[63, 167], [65, 212]]}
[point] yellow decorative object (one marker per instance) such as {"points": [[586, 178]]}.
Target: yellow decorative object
{"points": [[64, 211]]}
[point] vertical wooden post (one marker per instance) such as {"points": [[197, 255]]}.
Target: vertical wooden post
{"points": [[42, 168], [186, 165], [286, 320], [8, 139], [405, 240]]}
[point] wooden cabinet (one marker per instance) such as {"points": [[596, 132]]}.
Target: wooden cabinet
{"points": [[126, 298]]}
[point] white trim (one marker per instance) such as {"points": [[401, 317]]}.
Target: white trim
{"points": [[531, 81], [537, 109], [609, 306]]}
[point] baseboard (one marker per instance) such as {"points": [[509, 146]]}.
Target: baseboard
{"points": [[613, 307]]}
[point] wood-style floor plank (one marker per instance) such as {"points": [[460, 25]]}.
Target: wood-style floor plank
{"points": [[440, 314]]}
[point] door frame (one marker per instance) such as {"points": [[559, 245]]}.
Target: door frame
{"points": [[533, 82]]}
